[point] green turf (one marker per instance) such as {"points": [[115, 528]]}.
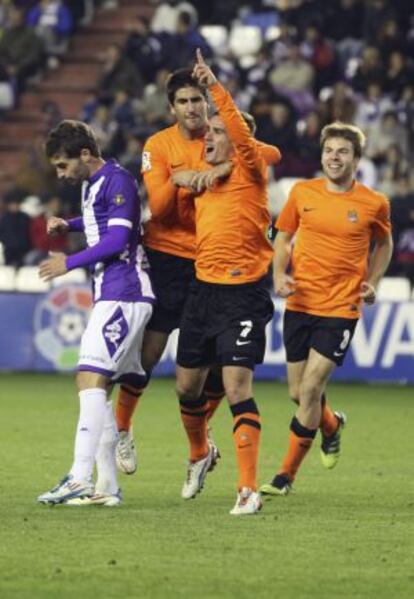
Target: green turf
{"points": [[343, 533]]}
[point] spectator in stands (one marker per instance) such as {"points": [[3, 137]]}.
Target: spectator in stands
{"points": [[308, 149], [390, 38], [405, 111], [259, 71], [337, 103], [283, 42], [391, 171], [41, 242], [5, 7], [131, 157], [184, 43], [53, 22], [375, 13], [154, 105], [14, 232], [384, 134], [144, 49], [294, 77], [367, 172], [122, 111], [402, 216], [166, 15], [118, 73], [21, 50], [344, 21], [321, 55], [372, 107], [89, 107], [82, 11], [369, 70], [279, 126], [344, 25], [398, 74], [105, 129]]}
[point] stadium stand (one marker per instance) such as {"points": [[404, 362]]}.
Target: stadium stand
{"points": [[295, 64]]}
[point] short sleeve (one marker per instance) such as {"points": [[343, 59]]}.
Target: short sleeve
{"points": [[288, 220], [381, 227], [123, 201]]}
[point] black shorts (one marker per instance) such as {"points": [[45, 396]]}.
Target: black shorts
{"points": [[224, 324], [330, 337], [171, 277]]}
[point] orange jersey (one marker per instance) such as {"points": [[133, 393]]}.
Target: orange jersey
{"points": [[232, 220], [271, 154], [172, 225], [330, 254]]}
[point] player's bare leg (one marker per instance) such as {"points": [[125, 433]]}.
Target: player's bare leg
{"points": [[305, 423]]}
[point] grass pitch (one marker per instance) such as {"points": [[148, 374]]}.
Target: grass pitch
{"points": [[342, 533]]}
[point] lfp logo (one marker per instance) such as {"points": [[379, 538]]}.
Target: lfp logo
{"points": [[59, 321]]}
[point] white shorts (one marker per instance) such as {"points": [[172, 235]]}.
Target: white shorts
{"points": [[112, 341]]}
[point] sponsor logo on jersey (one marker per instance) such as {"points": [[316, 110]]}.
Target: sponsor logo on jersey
{"points": [[353, 216]]}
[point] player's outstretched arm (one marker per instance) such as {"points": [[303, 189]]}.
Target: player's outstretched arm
{"points": [[237, 129]]}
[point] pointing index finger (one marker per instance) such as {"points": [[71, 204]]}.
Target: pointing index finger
{"points": [[199, 57]]}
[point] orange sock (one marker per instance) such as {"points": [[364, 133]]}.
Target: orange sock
{"points": [[246, 434], [329, 422], [300, 441], [194, 418], [127, 401], [214, 391], [214, 400]]}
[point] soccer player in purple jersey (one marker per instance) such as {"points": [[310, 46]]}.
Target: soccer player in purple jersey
{"points": [[123, 298]]}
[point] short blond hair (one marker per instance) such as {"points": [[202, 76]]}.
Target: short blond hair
{"points": [[346, 131]]}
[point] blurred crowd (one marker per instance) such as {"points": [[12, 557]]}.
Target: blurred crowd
{"points": [[294, 64]]}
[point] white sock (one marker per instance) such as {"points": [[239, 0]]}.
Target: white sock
{"points": [[105, 457], [90, 426]]}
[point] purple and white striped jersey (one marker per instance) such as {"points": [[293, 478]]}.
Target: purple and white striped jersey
{"points": [[111, 214]]}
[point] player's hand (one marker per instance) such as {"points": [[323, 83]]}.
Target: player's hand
{"points": [[199, 182], [56, 225], [202, 72], [183, 178], [53, 266], [219, 173], [284, 285], [368, 293], [208, 179]]}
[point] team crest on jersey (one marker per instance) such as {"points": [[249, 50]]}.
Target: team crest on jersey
{"points": [[119, 199], [353, 216], [146, 162]]}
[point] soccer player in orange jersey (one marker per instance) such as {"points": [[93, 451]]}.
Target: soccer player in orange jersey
{"points": [[228, 305], [334, 220], [170, 236]]}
